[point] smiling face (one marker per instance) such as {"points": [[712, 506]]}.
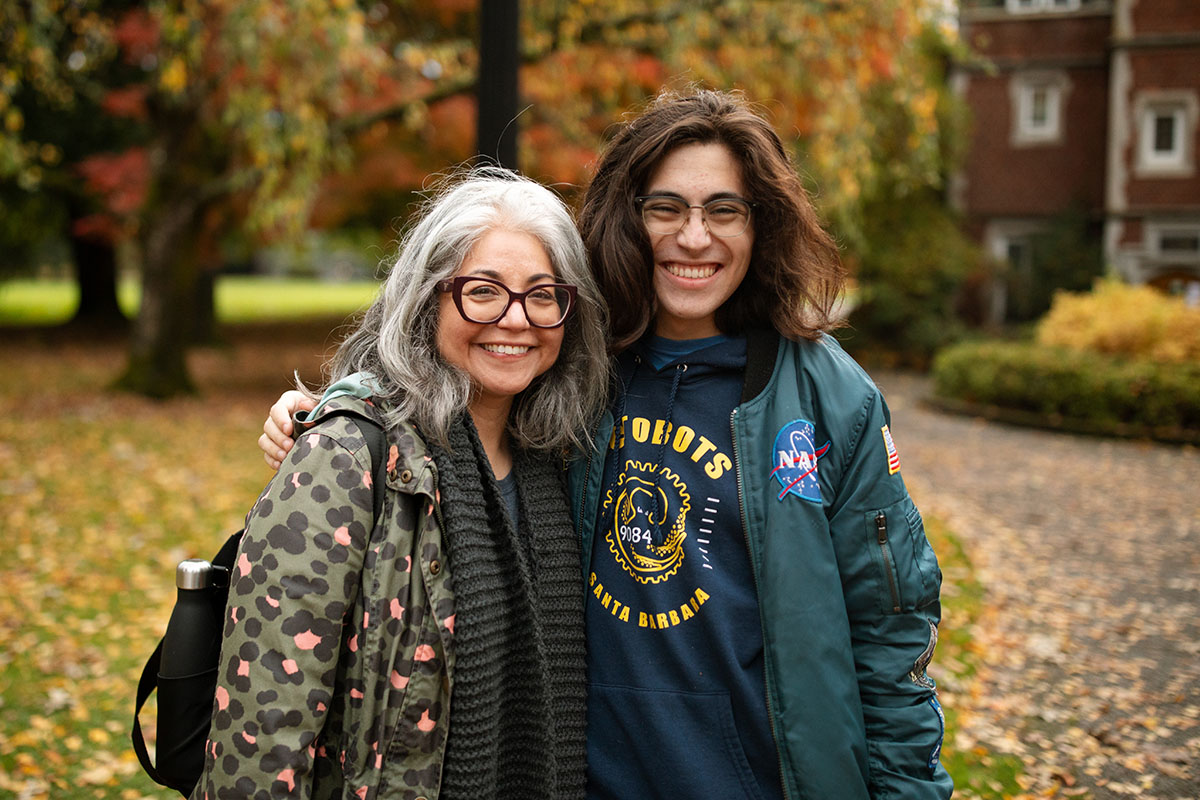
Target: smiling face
{"points": [[694, 271], [505, 356]]}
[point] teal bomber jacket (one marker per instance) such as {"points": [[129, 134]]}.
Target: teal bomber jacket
{"points": [[847, 582]]}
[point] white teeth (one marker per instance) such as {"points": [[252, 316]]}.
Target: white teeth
{"points": [[691, 272], [506, 349]]}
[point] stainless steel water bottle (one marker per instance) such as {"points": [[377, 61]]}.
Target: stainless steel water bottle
{"points": [[194, 630], [187, 676]]}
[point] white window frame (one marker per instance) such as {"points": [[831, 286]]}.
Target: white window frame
{"points": [[1156, 232], [1023, 91], [1183, 108], [1151, 155], [1040, 6], [1001, 236]]}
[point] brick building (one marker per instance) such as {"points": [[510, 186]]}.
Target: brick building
{"points": [[1088, 107]]}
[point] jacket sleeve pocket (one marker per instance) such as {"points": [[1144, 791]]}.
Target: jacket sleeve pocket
{"points": [[906, 571], [906, 765]]}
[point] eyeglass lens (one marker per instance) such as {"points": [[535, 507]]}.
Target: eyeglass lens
{"points": [[723, 216], [484, 301]]}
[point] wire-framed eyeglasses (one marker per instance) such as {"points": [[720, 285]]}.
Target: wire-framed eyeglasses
{"points": [[666, 214], [484, 300]]}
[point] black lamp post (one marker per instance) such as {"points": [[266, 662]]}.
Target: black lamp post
{"points": [[496, 131]]}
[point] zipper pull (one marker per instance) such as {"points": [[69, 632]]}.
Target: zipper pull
{"points": [[881, 533]]}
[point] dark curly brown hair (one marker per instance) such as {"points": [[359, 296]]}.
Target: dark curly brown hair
{"points": [[795, 273]]}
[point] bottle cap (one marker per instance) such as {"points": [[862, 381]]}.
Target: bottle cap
{"points": [[192, 573]]}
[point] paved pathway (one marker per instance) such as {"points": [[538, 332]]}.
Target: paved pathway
{"points": [[1089, 550]]}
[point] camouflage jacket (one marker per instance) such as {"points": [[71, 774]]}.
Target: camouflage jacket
{"points": [[336, 666]]}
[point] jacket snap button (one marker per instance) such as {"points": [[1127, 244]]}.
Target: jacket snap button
{"points": [[406, 476], [435, 567]]}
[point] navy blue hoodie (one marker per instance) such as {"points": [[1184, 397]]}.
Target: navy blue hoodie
{"points": [[676, 702]]}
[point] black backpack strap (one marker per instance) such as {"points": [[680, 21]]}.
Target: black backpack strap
{"points": [[376, 440], [146, 686], [762, 348], [376, 445]]}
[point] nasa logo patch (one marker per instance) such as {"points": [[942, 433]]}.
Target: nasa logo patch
{"points": [[795, 459]]}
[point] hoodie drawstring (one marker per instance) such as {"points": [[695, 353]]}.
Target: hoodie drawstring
{"points": [[656, 537]]}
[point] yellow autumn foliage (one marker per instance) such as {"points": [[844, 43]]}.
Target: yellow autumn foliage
{"points": [[174, 78], [1122, 320]]}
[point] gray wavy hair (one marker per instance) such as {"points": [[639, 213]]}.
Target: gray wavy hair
{"points": [[396, 337]]}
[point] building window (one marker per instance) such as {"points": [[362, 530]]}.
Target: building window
{"points": [[1034, 6], [1038, 111], [1181, 243], [1040, 106], [1166, 131], [1162, 137], [1038, 100], [1018, 252], [1175, 243]]}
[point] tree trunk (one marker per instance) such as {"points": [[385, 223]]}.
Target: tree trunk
{"points": [[165, 324], [204, 306], [94, 261], [95, 265], [171, 236]]}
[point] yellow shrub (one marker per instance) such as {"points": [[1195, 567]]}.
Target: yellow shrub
{"points": [[1123, 320]]}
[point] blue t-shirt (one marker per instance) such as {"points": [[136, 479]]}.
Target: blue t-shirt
{"points": [[677, 694], [508, 493]]}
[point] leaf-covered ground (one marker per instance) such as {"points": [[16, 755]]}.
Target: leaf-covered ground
{"points": [[102, 493], [1086, 647]]}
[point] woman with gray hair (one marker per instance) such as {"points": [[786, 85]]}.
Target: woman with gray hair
{"points": [[436, 650]]}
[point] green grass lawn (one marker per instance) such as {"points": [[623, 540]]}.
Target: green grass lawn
{"points": [[238, 298]]}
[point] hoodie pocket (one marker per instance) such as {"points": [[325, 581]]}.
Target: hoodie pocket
{"points": [[658, 743]]}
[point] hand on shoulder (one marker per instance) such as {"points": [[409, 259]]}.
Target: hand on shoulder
{"points": [[276, 440]]}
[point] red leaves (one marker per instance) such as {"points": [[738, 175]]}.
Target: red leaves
{"points": [[120, 181], [137, 34], [882, 62], [128, 102], [98, 227], [647, 71]]}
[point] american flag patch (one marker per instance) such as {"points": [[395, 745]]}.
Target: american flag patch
{"points": [[893, 456]]}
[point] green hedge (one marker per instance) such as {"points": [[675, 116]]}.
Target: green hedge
{"points": [[909, 272], [1072, 390]]}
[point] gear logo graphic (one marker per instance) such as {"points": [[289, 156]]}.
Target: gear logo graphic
{"points": [[639, 506]]}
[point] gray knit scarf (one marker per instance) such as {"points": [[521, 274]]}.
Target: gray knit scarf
{"points": [[517, 707]]}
